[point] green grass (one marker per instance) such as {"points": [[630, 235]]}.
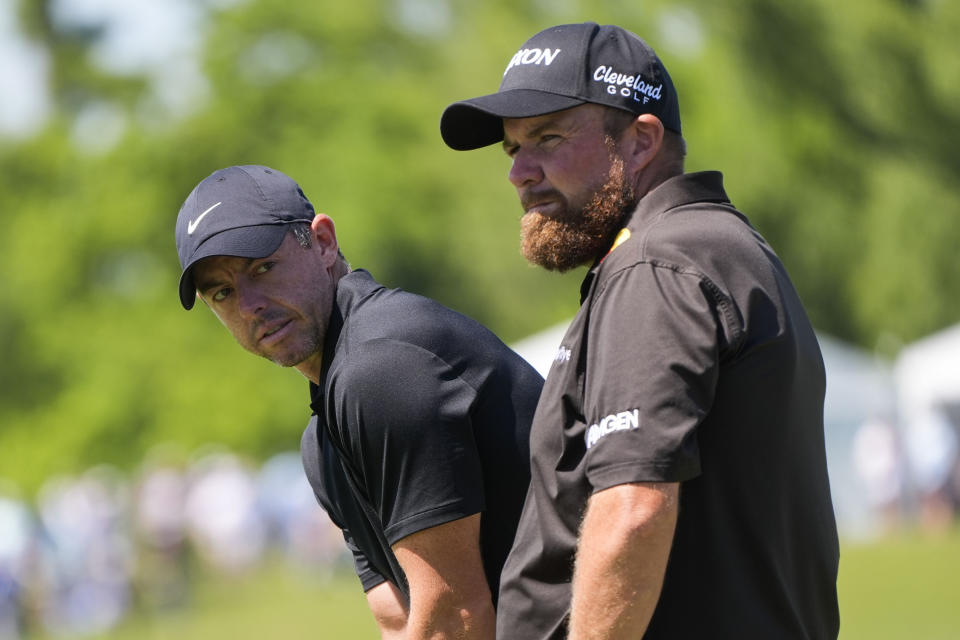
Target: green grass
{"points": [[272, 602], [905, 587]]}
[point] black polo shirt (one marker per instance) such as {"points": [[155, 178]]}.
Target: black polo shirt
{"points": [[431, 413], [691, 360]]}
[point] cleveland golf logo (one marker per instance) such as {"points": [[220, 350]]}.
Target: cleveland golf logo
{"points": [[613, 422], [627, 85], [532, 56]]}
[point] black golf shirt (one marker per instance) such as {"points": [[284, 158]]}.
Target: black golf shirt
{"points": [[430, 412], [691, 360]]}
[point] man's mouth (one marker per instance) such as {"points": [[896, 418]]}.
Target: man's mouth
{"points": [[536, 206], [538, 202], [269, 333]]}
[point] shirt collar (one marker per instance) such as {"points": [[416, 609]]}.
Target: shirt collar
{"points": [[686, 188], [351, 290]]}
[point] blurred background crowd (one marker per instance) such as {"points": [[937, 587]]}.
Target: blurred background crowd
{"points": [[94, 547]]}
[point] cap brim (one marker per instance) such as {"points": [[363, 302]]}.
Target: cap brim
{"points": [[478, 122], [244, 242]]}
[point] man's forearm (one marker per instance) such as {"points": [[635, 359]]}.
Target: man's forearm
{"points": [[449, 596], [621, 559], [435, 613], [448, 618]]}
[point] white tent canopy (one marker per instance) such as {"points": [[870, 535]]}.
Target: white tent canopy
{"points": [[927, 372], [927, 375]]}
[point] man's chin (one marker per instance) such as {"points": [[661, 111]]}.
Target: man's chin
{"points": [[554, 266], [286, 358], [553, 245], [552, 259]]}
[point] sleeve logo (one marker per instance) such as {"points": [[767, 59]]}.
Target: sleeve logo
{"points": [[623, 421]]}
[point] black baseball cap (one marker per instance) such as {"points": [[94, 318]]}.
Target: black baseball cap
{"points": [[239, 211], [563, 67]]}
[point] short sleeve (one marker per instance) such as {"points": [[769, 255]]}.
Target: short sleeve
{"points": [[651, 374], [369, 577], [410, 434]]}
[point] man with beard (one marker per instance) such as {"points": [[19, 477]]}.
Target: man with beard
{"points": [[679, 486], [418, 446]]}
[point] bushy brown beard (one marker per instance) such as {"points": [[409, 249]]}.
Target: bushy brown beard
{"points": [[572, 238]]}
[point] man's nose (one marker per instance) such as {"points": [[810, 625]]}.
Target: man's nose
{"points": [[524, 170], [250, 301]]}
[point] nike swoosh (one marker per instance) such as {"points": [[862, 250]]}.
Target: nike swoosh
{"points": [[192, 225]]}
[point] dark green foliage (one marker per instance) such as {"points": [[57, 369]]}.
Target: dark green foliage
{"points": [[835, 124]]}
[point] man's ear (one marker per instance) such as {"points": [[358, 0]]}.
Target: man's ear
{"points": [[641, 142], [325, 236]]}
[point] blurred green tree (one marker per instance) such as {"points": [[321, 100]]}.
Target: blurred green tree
{"points": [[835, 126]]}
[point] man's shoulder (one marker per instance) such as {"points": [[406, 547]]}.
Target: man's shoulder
{"points": [[392, 314], [390, 328], [707, 243], [397, 317], [705, 226], [683, 238], [689, 225]]}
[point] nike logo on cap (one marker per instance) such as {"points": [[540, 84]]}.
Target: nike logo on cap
{"points": [[192, 224]]}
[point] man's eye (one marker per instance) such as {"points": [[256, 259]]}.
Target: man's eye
{"points": [[221, 294], [263, 268]]}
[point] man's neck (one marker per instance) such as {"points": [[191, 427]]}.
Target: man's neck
{"points": [[311, 367]]}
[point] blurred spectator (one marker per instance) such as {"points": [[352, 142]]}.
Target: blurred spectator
{"points": [[878, 461], [932, 447], [159, 527], [16, 541], [295, 523], [221, 513], [84, 519]]}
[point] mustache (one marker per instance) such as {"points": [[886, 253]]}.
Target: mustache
{"points": [[530, 199], [265, 319]]}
